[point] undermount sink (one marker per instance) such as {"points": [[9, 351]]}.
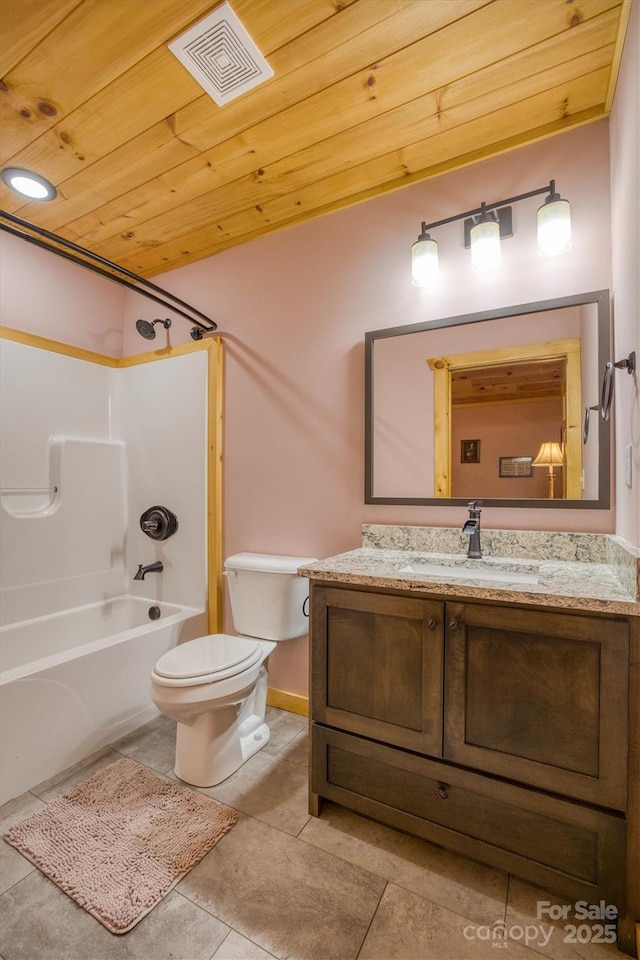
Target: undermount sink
{"points": [[473, 570]]}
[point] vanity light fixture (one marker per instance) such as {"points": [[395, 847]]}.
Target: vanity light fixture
{"points": [[486, 226], [28, 184], [550, 455], [484, 235], [425, 267]]}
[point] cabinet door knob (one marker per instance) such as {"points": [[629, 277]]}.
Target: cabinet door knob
{"points": [[453, 624], [441, 792], [432, 623]]}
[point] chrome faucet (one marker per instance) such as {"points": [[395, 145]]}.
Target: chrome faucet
{"points": [[156, 567], [472, 527]]}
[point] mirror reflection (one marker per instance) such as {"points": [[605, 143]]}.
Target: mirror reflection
{"points": [[490, 406]]}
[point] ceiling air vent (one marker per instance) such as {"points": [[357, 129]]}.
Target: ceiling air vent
{"points": [[221, 56]]}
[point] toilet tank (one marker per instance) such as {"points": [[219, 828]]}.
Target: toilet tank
{"points": [[267, 596]]}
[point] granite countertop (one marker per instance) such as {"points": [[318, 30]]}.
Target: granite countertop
{"points": [[594, 584]]}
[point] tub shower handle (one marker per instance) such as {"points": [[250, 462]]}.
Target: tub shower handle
{"points": [[158, 523]]}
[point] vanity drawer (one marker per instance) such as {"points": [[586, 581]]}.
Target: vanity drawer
{"points": [[575, 850]]}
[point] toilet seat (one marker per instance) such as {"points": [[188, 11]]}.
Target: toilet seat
{"points": [[207, 659]]}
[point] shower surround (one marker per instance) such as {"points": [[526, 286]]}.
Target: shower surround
{"points": [[86, 448]]}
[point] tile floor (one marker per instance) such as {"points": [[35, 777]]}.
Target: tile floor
{"points": [[283, 884]]}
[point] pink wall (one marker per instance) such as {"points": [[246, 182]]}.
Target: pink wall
{"points": [[293, 309], [48, 296], [625, 218], [504, 430]]}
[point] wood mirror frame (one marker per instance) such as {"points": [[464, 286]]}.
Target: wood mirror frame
{"points": [[600, 298]]}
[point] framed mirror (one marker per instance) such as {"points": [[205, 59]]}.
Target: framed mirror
{"points": [[491, 406]]}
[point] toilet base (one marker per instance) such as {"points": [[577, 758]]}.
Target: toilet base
{"points": [[219, 741]]}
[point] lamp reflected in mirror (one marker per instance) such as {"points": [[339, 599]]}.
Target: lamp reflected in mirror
{"points": [[550, 455]]}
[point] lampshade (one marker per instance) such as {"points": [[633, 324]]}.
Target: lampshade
{"points": [[549, 455], [554, 226], [486, 253], [425, 267]]}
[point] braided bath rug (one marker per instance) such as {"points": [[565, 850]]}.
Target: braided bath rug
{"points": [[120, 841]]}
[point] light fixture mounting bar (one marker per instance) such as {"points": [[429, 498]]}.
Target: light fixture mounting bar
{"points": [[550, 189], [504, 219]]}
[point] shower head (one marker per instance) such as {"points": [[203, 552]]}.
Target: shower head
{"points": [[148, 330]]}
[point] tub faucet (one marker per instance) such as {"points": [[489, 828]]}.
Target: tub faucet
{"points": [[156, 567], [472, 527]]}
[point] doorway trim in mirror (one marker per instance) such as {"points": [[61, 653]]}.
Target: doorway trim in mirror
{"points": [[601, 299], [443, 367]]}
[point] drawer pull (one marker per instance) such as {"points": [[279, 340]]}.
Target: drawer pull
{"points": [[441, 792], [453, 624], [432, 623]]}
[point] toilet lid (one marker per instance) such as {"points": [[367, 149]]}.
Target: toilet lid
{"points": [[207, 655]]}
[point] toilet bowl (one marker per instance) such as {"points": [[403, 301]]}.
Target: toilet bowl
{"points": [[215, 687]]}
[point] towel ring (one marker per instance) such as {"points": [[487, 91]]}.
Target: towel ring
{"points": [[606, 400]]}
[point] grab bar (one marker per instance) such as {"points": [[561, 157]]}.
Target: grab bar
{"points": [[27, 491]]}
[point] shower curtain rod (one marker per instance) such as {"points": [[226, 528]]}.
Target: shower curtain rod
{"points": [[105, 268]]}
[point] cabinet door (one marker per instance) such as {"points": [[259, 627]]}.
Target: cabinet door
{"points": [[539, 698], [377, 666]]}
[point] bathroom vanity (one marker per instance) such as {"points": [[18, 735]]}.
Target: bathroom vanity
{"points": [[492, 709]]}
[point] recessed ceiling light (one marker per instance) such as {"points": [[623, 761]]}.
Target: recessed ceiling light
{"points": [[28, 184]]}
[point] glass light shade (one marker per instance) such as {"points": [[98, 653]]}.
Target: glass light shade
{"points": [[486, 253], [28, 184], [425, 267], [554, 227]]}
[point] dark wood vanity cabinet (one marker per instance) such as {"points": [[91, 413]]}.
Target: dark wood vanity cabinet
{"points": [[495, 730]]}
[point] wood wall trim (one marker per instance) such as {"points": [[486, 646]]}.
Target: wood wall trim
{"points": [[55, 346], [292, 702], [215, 379], [623, 23], [442, 368]]}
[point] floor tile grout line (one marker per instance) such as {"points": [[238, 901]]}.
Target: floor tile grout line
{"points": [[373, 916], [244, 937], [506, 899], [379, 876]]}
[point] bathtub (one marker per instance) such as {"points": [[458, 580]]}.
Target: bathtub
{"points": [[77, 680]]}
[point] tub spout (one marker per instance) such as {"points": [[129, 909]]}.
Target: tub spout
{"points": [[156, 567]]}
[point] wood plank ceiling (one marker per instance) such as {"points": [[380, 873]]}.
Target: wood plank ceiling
{"points": [[367, 96]]}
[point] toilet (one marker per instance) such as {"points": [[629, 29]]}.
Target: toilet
{"points": [[216, 686]]}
